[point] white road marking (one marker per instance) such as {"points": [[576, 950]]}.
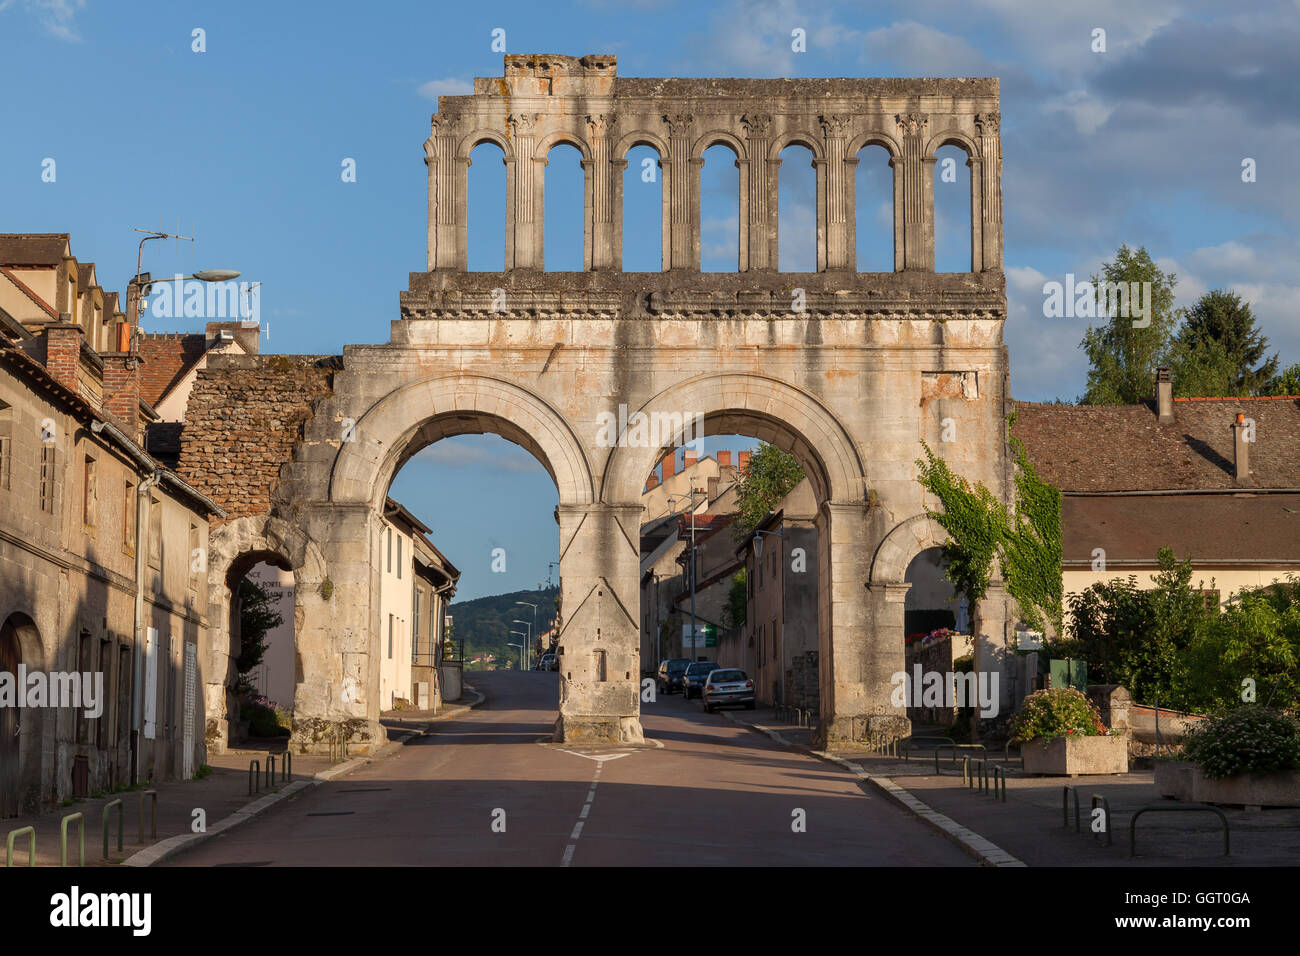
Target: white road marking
{"points": [[586, 808], [577, 831], [568, 854]]}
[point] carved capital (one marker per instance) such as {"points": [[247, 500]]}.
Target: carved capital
{"points": [[602, 124], [835, 125], [524, 123], [445, 122], [988, 123], [679, 124], [912, 124], [757, 125]]}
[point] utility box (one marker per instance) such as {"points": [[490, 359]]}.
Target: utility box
{"points": [[1069, 673], [422, 695]]}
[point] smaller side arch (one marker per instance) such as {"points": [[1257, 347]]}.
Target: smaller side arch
{"points": [[477, 138], [797, 138], [952, 137], [640, 138], [905, 541], [719, 137], [561, 137], [863, 140]]}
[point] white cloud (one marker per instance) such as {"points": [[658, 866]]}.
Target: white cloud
{"points": [[56, 17], [499, 455], [448, 86]]}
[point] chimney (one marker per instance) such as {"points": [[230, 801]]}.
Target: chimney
{"points": [[1164, 396], [1240, 451], [688, 459], [724, 459], [744, 461], [713, 488], [670, 465], [122, 391], [63, 351], [652, 481]]}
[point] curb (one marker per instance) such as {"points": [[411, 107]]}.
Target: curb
{"points": [[986, 851], [164, 849]]}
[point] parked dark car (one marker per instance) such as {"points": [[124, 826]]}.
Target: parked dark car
{"points": [[669, 679], [728, 685], [696, 674], [550, 662]]}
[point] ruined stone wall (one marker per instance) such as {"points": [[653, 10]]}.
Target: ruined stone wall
{"points": [[243, 418]]}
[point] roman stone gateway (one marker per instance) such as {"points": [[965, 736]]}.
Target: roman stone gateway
{"points": [[849, 371]]}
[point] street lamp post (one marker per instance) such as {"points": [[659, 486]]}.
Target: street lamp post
{"points": [[530, 629], [521, 652], [534, 630], [693, 493], [141, 281]]}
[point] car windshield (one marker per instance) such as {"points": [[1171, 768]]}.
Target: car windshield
{"points": [[701, 669], [676, 667], [722, 677]]}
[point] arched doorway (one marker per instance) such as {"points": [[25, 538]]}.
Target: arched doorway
{"points": [[20, 727]]}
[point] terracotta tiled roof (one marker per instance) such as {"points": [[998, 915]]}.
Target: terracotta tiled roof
{"points": [[1259, 529], [32, 249], [167, 357], [1100, 448]]}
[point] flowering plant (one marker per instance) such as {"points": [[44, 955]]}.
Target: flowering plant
{"points": [[1057, 712], [1249, 739]]}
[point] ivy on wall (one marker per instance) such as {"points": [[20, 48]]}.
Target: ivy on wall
{"points": [[1027, 545]]}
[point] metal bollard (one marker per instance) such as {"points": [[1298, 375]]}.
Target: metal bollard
{"points": [[63, 838], [30, 833], [254, 776], [287, 770], [121, 817], [270, 771], [153, 827]]}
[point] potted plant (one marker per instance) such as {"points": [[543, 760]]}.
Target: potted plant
{"points": [[1060, 732], [1248, 756]]}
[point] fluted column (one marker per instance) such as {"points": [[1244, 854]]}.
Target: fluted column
{"points": [[526, 196], [756, 211], [910, 195], [834, 212], [617, 169], [683, 218], [601, 193], [446, 244], [989, 173]]}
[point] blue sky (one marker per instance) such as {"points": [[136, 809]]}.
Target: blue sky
{"points": [[241, 146]]}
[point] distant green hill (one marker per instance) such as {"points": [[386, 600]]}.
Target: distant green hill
{"points": [[484, 624]]}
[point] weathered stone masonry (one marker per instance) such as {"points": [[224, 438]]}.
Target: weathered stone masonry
{"points": [[872, 365]]}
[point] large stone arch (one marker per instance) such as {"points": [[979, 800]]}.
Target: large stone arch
{"points": [[233, 549], [749, 404], [418, 413]]}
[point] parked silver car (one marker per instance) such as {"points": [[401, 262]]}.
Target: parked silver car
{"points": [[728, 685]]}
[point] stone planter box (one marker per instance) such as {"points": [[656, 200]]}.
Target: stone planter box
{"points": [[1071, 756], [1184, 781]]}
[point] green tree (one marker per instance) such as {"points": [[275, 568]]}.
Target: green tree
{"points": [[1287, 382], [736, 610], [1123, 359], [1220, 317], [257, 616], [771, 475]]}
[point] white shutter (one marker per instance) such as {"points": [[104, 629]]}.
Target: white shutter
{"points": [[187, 753], [150, 682]]}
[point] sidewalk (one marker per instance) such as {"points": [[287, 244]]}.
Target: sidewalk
{"points": [[221, 795], [1029, 825]]}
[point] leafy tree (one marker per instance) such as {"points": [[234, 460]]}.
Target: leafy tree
{"points": [[1123, 359], [736, 610], [1202, 367], [771, 475], [1287, 382], [257, 616], [1221, 322]]}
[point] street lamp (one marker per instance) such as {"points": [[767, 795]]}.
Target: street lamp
{"points": [[141, 281], [521, 653], [669, 500], [530, 629], [534, 630], [758, 541]]}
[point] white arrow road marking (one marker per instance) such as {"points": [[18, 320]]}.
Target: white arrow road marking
{"points": [[599, 758]]}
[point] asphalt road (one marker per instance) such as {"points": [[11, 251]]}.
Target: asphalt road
{"points": [[481, 790]]}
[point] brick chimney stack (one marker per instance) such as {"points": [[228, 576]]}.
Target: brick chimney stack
{"points": [[724, 459], [122, 391], [670, 465], [744, 461], [688, 459], [1240, 450], [63, 351], [1164, 396]]}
